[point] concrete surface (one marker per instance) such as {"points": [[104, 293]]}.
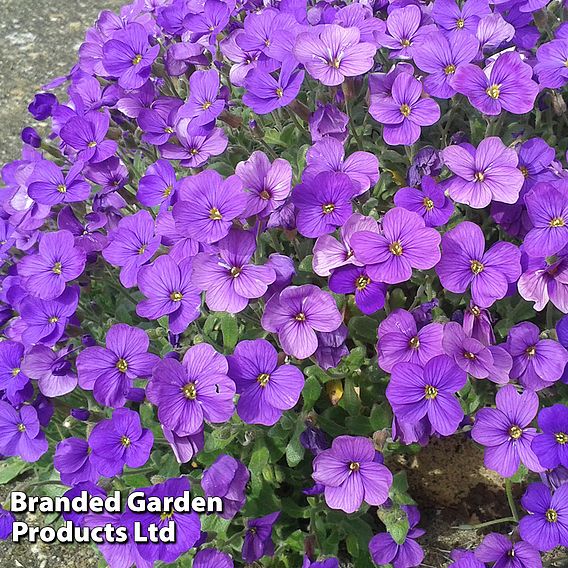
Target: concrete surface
{"points": [[40, 39]]}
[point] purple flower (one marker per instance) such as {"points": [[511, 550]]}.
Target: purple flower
{"points": [[547, 208], [369, 295], [328, 120], [537, 363], [506, 554], [194, 149], [57, 262], [258, 538], [51, 369], [48, 185], [328, 155], [208, 24], [74, 462], [465, 559], [267, 185], [187, 525], [440, 56], [129, 56], [120, 441], [208, 204], [384, 549], [158, 186], [204, 104], [20, 434], [544, 280], [403, 244], [330, 562], [227, 478], [14, 381], [551, 68], [296, 314], [266, 389], [551, 447], [111, 174], [546, 525], [323, 203], [45, 320], [264, 93], [192, 391], [86, 135], [132, 244], [329, 253], [169, 291], [473, 357], [158, 122], [229, 279], [403, 30], [506, 433], [109, 372], [330, 53], [506, 86], [210, 557], [488, 173], [426, 162], [350, 473], [451, 18], [87, 233], [406, 111], [6, 521], [464, 262], [185, 448], [331, 347], [415, 392], [430, 202], [42, 105], [400, 340]]}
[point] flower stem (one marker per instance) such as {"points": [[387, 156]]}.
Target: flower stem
{"points": [[511, 499], [487, 524]]}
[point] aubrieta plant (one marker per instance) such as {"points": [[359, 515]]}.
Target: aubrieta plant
{"points": [[266, 248]]}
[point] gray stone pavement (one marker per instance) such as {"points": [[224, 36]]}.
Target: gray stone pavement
{"points": [[40, 39]]}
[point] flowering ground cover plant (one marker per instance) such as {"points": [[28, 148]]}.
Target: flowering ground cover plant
{"points": [[265, 249]]}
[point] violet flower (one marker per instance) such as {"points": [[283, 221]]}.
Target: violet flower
{"points": [[20, 433], [499, 549], [74, 462]]}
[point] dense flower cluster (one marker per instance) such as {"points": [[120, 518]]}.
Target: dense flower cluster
{"points": [[257, 233]]}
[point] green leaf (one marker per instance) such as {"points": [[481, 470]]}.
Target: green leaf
{"points": [[10, 469], [230, 330], [311, 392], [295, 450]]}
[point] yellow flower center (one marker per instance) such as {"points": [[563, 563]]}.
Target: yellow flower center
{"points": [[405, 42], [300, 317], [125, 441], [531, 351], [335, 63], [354, 466], [122, 365], [189, 391], [475, 311], [235, 271], [460, 23], [176, 296], [206, 105], [395, 248], [551, 516], [328, 208], [362, 282], [515, 432], [62, 188], [15, 371], [53, 319], [469, 355], [21, 427], [405, 110], [524, 171], [168, 130], [263, 379], [136, 59], [215, 214], [194, 151], [56, 268], [264, 194], [476, 266], [428, 204], [279, 93], [561, 438], [92, 144], [142, 249], [557, 222], [168, 191], [479, 176], [166, 516], [494, 91], [430, 392], [414, 342], [449, 69]]}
